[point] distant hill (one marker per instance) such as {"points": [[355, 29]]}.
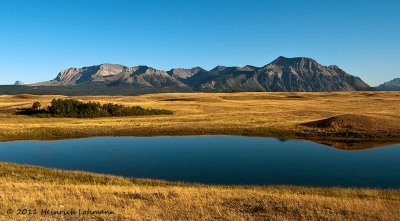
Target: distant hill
{"points": [[393, 85], [298, 74], [19, 83]]}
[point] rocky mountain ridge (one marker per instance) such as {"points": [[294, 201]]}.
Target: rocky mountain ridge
{"points": [[283, 74]]}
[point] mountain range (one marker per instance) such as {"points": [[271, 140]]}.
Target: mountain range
{"points": [[283, 74]]}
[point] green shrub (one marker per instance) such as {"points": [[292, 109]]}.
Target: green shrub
{"points": [[36, 105], [76, 109]]}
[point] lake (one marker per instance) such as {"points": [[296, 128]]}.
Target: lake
{"points": [[215, 160]]}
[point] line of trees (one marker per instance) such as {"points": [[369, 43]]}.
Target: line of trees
{"points": [[76, 109]]}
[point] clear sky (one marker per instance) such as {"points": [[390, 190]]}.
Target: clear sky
{"points": [[39, 38]]}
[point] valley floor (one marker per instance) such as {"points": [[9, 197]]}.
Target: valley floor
{"points": [[39, 190], [251, 114]]}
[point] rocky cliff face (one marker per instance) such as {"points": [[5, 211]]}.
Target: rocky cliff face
{"points": [[283, 74], [393, 85], [143, 76], [96, 73]]}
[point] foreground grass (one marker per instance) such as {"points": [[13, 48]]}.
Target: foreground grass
{"points": [[130, 199], [254, 114]]}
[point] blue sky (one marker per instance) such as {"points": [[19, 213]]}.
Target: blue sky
{"points": [[39, 38]]}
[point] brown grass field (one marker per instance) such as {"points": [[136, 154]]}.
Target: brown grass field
{"points": [[346, 120], [25, 187], [367, 118]]}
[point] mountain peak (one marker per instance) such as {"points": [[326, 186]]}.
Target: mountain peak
{"points": [[184, 73], [284, 61], [248, 68], [219, 68], [19, 83], [392, 85], [108, 65]]}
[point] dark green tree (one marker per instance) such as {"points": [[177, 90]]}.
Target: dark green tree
{"points": [[36, 106]]}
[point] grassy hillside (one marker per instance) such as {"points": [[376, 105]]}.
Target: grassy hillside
{"points": [[256, 114], [129, 199]]}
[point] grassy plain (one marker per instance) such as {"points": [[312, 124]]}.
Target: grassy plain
{"points": [[26, 187], [369, 117], [253, 114]]}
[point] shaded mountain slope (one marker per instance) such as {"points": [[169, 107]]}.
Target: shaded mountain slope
{"points": [[393, 85]]}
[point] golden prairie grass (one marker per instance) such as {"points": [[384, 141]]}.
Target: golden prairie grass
{"points": [[262, 114], [129, 199], [253, 113]]}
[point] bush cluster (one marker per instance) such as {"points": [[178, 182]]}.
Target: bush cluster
{"points": [[76, 109]]}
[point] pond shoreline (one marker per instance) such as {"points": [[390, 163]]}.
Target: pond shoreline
{"points": [[43, 134]]}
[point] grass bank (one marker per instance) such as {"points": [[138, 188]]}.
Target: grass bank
{"points": [[27, 187]]}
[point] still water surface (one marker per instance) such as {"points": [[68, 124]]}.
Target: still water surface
{"points": [[215, 160]]}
